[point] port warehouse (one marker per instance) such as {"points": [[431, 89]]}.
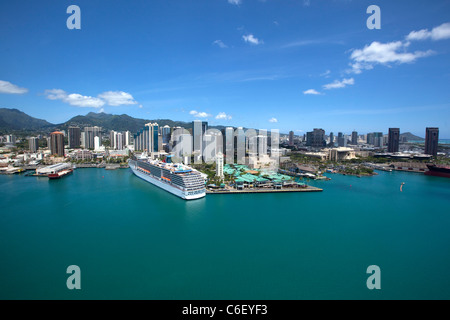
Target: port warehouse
{"points": [[55, 168]]}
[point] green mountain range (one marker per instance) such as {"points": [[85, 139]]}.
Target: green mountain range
{"points": [[18, 122], [13, 120]]}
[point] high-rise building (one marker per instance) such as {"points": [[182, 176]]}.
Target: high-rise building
{"points": [[291, 138], [182, 144], [431, 141], [147, 139], [74, 137], [332, 139], [57, 143], [90, 134], [10, 139], [165, 134], [342, 142], [229, 144], [97, 143], [316, 138], [83, 139], [240, 141], [127, 138], [33, 144], [393, 139], [219, 165], [119, 141], [112, 139], [155, 137], [354, 138], [378, 139], [370, 138], [198, 130]]}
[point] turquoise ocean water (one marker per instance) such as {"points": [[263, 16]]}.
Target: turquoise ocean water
{"points": [[135, 241]]}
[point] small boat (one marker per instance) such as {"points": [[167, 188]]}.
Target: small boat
{"points": [[60, 174]]}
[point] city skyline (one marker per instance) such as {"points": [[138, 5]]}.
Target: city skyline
{"points": [[258, 64]]}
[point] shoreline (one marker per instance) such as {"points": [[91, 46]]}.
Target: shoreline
{"points": [[307, 189]]}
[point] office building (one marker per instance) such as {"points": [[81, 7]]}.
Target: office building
{"points": [[10, 139], [378, 139], [219, 165], [120, 141], [33, 144], [57, 144], [117, 140], [370, 138], [229, 145], [83, 139], [291, 138], [112, 139], [316, 138], [97, 143], [198, 130], [165, 134], [127, 138], [431, 141], [354, 138], [147, 139], [393, 139], [90, 134], [74, 137], [332, 139], [342, 142], [182, 145]]}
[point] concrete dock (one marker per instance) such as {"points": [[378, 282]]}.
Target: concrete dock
{"points": [[234, 191]]}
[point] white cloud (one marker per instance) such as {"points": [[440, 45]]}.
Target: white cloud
{"points": [[199, 114], [250, 38], [9, 88], [311, 91], [79, 100], [56, 94], [111, 98], [220, 44], [223, 116], [74, 99], [326, 74], [117, 98], [339, 84], [438, 33], [235, 2], [273, 120], [306, 3], [383, 53]]}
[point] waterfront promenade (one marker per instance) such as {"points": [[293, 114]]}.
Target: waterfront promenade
{"points": [[234, 191]]}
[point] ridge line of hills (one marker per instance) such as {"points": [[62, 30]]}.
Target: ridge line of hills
{"points": [[13, 120]]}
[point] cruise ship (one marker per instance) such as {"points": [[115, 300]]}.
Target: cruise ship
{"points": [[177, 179]]}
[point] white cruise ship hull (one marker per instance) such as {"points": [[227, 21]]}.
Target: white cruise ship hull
{"points": [[187, 195]]}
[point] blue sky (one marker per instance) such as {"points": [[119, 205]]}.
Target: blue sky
{"points": [[272, 64]]}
